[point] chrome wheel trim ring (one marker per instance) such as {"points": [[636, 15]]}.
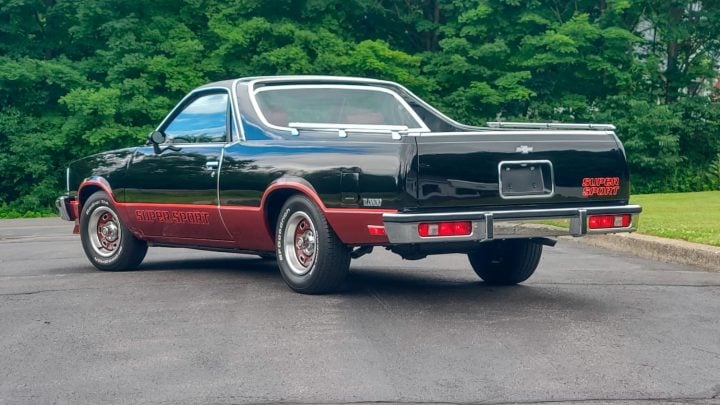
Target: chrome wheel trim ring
{"points": [[300, 243], [104, 232]]}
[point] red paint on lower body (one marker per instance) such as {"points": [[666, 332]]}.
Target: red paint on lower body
{"points": [[74, 209], [75, 215], [237, 227], [248, 227], [194, 242], [351, 225], [201, 222]]}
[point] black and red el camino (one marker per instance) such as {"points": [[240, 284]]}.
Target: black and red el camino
{"points": [[317, 170]]}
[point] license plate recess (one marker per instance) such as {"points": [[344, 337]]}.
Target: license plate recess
{"points": [[526, 179]]}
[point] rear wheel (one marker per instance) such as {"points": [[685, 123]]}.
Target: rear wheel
{"points": [[506, 262], [106, 240], [312, 259]]}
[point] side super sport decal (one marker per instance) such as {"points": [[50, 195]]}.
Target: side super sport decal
{"points": [[173, 217], [600, 186]]}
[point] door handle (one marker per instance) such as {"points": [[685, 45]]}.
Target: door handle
{"points": [[212, 165]]}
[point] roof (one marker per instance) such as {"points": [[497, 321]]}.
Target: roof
{"points": [[296, 79]]}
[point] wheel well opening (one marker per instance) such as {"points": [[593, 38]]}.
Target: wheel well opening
{"points": [[86, 192], [274, 204]]}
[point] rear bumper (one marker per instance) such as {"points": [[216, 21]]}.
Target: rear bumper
{"points": [[402, 228], [67, 208]]}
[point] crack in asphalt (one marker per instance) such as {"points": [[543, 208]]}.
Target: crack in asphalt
{"points": [[115, 287], [46, 291], [630, 284]]}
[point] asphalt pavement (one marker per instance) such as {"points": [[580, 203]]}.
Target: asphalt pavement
{"points": [[194, 327]]}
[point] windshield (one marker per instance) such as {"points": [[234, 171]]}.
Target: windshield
{"points": [[327, 104]]}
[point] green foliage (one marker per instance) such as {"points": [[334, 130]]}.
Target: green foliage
{"points": [[713, 174], [77, 77], [696, 224]]}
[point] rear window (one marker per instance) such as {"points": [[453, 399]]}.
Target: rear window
{"points": [[356, 105]]}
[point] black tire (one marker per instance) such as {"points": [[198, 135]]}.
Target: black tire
{"points": [[108, 243], [506, 262], [312, 259]]}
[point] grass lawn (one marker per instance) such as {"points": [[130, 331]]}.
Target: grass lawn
{"points": [[694, 217]]}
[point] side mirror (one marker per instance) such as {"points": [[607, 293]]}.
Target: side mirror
{"points": [[157, 137]]}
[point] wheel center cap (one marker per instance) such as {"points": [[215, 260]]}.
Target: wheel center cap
{"points": [[109, 231], [306, 243]]}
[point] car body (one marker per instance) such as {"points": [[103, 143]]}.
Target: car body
{"points": [[316, 170]]}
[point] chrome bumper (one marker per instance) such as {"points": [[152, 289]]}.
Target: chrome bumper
{"points": [[402, 228], [63, 206]]}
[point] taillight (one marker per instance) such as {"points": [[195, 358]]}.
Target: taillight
{"points": [[457, 228], [376, 230], [609, 221]]}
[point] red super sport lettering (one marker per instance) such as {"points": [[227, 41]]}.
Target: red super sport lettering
{"points": [[600, 186], [173, 217]]}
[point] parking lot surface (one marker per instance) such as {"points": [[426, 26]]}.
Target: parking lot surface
{"points": [[202, 327]]}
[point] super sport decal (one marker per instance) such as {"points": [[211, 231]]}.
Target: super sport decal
{"points": [[173, 217], [600, 186]]}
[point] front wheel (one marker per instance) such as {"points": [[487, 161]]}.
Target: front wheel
{"points": [[312, 259], [106, 240], [506, 262]]}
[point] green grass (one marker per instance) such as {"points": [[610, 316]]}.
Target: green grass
{"points": [[12, 214], [693, 217]]}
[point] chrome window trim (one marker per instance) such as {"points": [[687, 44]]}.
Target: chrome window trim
{"points": [[252, 92], [424, 104], [201, 144], [237, 115], [190, 95], [429, 107]]}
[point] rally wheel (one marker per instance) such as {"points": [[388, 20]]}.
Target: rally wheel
{"points": [[311, 257], [107, 242]]}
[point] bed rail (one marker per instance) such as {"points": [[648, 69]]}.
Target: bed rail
{"points": [[549, 125]]}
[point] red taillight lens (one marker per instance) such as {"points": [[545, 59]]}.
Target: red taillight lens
{"points": [[376, 230], [609, 221], [457, 228], [463, 228]]}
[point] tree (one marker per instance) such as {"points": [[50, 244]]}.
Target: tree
{"points": [[80, 77]]}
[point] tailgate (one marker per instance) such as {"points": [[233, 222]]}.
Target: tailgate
{"points": [[501, 168]]}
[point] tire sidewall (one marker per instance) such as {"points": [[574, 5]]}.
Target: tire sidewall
{"points": [[293, 205], [100, 200]]}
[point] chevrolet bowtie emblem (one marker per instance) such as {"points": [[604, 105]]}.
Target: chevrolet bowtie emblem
{"points": [[524, 149]]}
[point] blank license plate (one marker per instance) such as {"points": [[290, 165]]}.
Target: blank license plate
{"points": [[525, 179]]}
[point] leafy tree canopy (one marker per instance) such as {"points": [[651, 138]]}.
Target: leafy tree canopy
{"points": [[77, 77]]}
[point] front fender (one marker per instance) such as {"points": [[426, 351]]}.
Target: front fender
{"points": [[93, 184]]}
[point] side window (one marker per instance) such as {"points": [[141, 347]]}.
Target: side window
{"points": [[203, 120]]}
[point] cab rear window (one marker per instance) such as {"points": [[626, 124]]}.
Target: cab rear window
{"points": [[333, 104]]}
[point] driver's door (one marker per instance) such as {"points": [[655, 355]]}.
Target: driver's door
{"points": [[173, 194]]}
